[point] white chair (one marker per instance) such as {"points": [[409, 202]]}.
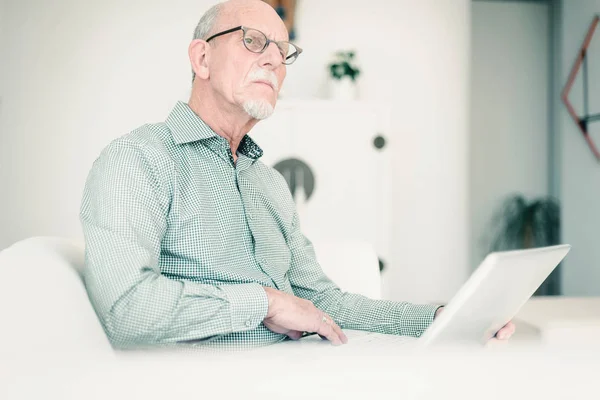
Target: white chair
{"points": [[43, 302], [352, 264], [45, 307]]}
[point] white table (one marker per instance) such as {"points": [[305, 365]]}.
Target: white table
{"points": [[326, 372], [558, 321]]}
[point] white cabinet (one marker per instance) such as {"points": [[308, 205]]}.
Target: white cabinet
{"points": [[352, 178]]}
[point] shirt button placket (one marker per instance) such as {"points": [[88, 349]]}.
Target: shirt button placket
{"points": [[237, 181]]}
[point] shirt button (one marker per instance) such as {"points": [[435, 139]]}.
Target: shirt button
{"points": [[248, 323]]}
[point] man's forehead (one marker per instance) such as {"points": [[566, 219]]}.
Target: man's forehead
{"points": [[273, 34], [263, 18]]}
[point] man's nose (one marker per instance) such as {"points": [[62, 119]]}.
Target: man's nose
{"points": [[271, 57]]}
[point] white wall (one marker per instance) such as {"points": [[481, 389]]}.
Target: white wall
{"points": [[415, 55], [78, 75], [83, 73], [509, 110], [580, 171]]}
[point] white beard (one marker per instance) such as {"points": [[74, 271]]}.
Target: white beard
{"points": [[258, 109]]}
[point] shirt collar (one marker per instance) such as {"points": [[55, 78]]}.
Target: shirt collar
{"points": [[188, 127], [249, 148]]}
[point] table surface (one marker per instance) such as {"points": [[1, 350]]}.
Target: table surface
{"points": [[328, 372], [558, 322]]}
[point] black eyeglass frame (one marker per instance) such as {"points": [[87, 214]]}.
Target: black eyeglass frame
{"points": [[268, 41]]}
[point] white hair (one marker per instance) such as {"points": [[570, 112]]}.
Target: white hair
{"points": [[206, 25], [258, 109], [261, 109]]}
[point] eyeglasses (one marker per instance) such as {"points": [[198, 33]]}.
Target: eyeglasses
{"points": [[257, 42]]}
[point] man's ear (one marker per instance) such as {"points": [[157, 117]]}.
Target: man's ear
{"points": [[199, 55]]}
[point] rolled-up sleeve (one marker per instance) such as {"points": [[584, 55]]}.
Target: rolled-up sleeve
{"points": [[124, 214]]}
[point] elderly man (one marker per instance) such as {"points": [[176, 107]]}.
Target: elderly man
{"points": [[191, 238]]}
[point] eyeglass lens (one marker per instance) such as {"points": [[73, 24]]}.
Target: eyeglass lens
{"points": [[256, 42]]}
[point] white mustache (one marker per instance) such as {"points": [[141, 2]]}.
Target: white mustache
{"points": [[264, 75]]}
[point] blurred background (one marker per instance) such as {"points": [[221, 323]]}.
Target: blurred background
{"points": [[434, 129]]}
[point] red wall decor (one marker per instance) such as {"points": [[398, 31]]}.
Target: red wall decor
{"points": [[581, 65]]}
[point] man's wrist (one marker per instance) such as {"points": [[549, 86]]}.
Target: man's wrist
{"points": [[271, 295]]}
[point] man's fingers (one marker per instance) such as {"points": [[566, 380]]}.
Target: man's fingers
{"points": [[506, 332], [339, 332], [294, 335], [336, 329], [326, 329], [511, 326]]}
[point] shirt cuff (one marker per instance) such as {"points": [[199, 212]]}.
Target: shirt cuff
{"points": [[416, 318], [248, 305]]}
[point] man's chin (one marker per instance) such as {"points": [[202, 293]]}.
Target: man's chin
{"points": [[259, 108]]}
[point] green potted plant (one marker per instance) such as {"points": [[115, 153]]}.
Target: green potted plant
{"points": [[344, 72], [520, 224]]}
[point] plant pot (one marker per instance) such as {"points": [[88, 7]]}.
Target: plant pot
{"points": [[343, 89]]}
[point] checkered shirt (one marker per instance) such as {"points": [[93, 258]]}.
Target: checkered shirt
{"points": [[180, 241]]}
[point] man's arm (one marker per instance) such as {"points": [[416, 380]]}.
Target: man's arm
{"points": [[351, 311], [124, 217]]}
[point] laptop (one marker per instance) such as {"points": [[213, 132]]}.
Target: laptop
{"points": [[493, 295], [490, 298]]}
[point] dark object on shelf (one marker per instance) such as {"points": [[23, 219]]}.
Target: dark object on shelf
{"points": [[581, 62], [379, 142], [523, 225], [297, 174]]}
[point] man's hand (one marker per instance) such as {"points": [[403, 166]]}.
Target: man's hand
{"points": [[503, 334], [506, 332], [291, 315]]}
